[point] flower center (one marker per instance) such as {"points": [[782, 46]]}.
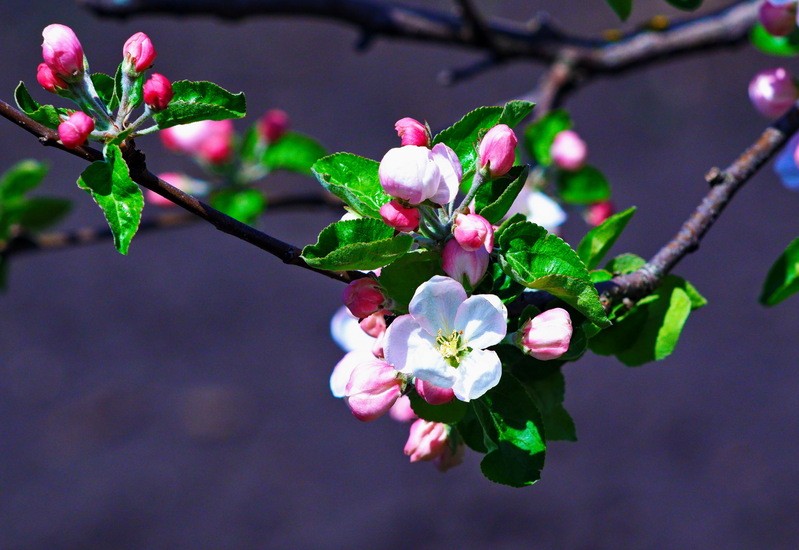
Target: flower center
{"points": [[452, 347]]}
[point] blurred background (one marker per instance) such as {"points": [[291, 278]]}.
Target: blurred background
{"points": [[178, 397]]}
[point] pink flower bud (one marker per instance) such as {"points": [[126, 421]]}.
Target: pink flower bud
{"points": [[139, 53], [373, 388], [157, 92], [497, 150], [772, 92], [401, 218], [599, 212], [402, 411], [48, 80], [189, 138], [449, 459], [75, 130], [779, 20], [473, 231], [466, 267], [375, 324], [568, 151], [412, 132], [273, 124], [547, 335], [363, 297], [181, 181], [62, 51], [434, 394], [427, 440], [216, 149], [409, 173]]}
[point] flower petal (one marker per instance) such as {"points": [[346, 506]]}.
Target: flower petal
{"points": [[483, 319], [435, 304], [478, 372], [343, 370], [347, 333]]}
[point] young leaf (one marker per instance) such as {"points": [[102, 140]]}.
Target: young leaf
{"points": [[104, 86], [43, 114], [109, 184], [495, 197], [623, 8], [401, 278], [201, 100], [539, 136], [513, 434], [356, 244], [21, 178], [598, 240], [782, 280], [293, 152], [585, 186], [449, 413], [537, 259], [625, 263], [41, 212], [782, 46], [243, 204], [354, 180]]}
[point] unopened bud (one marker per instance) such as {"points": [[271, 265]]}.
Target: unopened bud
{"points": [[497, 150], [363, 297], [139, 54], [375, 324], [412, 132], [473, 231], [191, 138], [75, 130], [427, 440], [48, 79], [402, 218], [62, 52], [401, 411], [157, 92], [449, 165], [273, 124], [466, 267], [373, 388], [599, 212], [409, 173], [434, 395], [779, 19], [772, 92], [568, 151], [547, 335]]}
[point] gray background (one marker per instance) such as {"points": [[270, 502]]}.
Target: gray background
{"points": [[177, 398]]}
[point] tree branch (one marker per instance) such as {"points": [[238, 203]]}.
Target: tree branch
{"points": [[288, 253]]}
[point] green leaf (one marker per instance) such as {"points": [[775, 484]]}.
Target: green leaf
{"points": [[470, 430], [537, 259], [104, 86], [194, 101], [41, 212], [782, 46], [539, 136], [449, 413], [500, 284], [244, 205], [625, 263], [623, 8], [354, 180], [401, 278], [548, 394], [43, 114], [21, 178], [601, 238], [495, 197], [687, 5], [356, 244], [782, 280], [464, 136], [513, 434], [293, 152], [121, 200], [585, 186]]}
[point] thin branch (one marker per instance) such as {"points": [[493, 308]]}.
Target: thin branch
{"points": [[537, 40], [139, 173], [477, 26]]}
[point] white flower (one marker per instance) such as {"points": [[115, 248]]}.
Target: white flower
{"points": [[347, 333], [443, 339]]}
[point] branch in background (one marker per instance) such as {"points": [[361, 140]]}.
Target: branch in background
{"points": [[166, 220], [288, 253]]}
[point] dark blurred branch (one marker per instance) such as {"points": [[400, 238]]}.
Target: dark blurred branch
{"points": [[288, 253]]}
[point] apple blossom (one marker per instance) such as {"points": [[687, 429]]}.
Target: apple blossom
{"points": [[374, 324], [569, 151], [273, 124], [347, 333], [427, 440], [139, 54], [539, 209], [443, 338], [778, 17], [451, 173], [433, 394], [62, 52], [412, 132], [401, 411], [466, 267], [373, 388], [409, 173], [402, 218], [473, 231], [48, 79], [191, 138], [547, 335], [183, 182], [340, 376], [773, 92], [75, 130], [157, 92], [363, 297], [497, 150]]}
